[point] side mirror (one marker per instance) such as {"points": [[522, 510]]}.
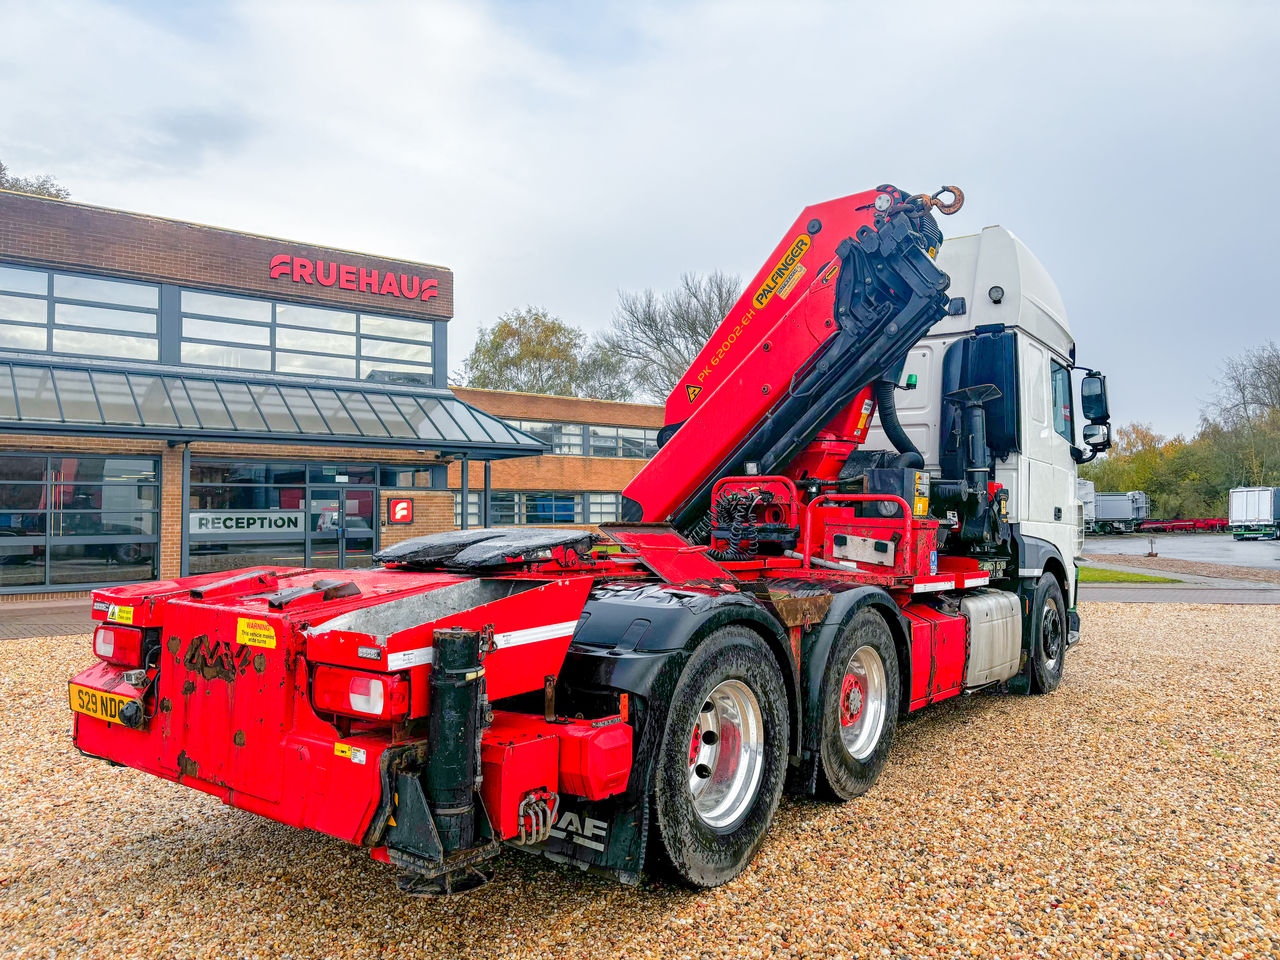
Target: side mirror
{"points": [[1097, 435], [1093, 399]]}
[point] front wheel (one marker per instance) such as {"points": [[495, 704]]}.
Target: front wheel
{"points": [[1048, 635], [860, 700], [723, 758]]}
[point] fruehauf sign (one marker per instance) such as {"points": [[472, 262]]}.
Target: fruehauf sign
{"points": [[246, 521]]}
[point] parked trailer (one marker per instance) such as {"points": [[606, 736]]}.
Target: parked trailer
{"points": [[1196, 525], [1254, 513], [1119, 512]]}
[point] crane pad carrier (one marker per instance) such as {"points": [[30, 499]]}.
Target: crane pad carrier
{"points": [[775, 599]]}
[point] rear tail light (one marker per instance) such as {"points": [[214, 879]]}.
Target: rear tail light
{"points": [[119, 645], [356, 694]]}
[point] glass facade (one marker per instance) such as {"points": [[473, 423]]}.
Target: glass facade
{"points": [[67, 521], [289, 514], [79, 315], [600, 441], [534, 507]]}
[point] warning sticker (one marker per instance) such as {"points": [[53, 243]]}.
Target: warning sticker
{"points": [[692, 391], [255, 633], [120, 614], [789, 284], [354, 754]]}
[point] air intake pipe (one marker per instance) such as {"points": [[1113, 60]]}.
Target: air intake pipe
{"points": [[908, 456]]}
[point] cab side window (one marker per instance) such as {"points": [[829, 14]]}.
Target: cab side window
{"points": [[1060, 377]]}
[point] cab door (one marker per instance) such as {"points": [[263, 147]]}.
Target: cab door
{"points": [[1047, 507]]}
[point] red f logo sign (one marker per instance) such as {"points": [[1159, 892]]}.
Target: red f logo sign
{"points": [[400, 511]]}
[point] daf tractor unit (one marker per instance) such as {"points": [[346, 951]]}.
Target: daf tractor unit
{"points": [[864, 503]]}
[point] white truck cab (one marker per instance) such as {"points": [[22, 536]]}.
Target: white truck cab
{"points": [[1028, 353]]}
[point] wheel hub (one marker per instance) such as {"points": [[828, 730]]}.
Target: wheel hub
{"points": [[852, 698], [864, 701], [726, 754]]}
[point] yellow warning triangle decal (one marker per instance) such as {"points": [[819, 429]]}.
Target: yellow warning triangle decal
{"points": [[692, 391]]}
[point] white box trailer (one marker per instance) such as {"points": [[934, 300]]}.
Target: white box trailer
{"points": [[1253, 513], [1120, 512]]}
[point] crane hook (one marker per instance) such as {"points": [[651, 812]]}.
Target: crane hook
{"points": [[957, 200]]}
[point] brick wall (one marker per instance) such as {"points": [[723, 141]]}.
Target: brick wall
{"points": [[537, 406], [432, 513], [77, 236]]}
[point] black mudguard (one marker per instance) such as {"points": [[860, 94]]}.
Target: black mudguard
{"points": [[636, 639]]}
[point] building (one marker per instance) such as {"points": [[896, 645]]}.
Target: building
{"points": [[596, 447], [176, 398]]}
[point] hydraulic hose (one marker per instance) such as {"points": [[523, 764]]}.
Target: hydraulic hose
{"points": [[909, 456]]}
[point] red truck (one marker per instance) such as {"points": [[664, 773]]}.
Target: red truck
{"points": [[776, 597]]}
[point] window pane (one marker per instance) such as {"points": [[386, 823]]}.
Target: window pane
{"points": [[87, 563], [21, 565], [1062, 401], [440, 417], [422, 426], [35, 393], [632, 442], [22, 524], [106, 291], [390, 416], [115, 398], [151, 396], [24, 309], [502, 509], [237, 358], [240, 403], [405, 478], [223, 472], [272, 406], [94, 523], [15, 337], [244, 496], [24, 496], [316, 342], [413, 352], [76, 393], [214, 556], [18, 280], [104, 469], [604, 441], [21, 468], [604, 507], [420, 330], [104, 345], [236, 333], [238, 308], [365, 418], [208, 404], [339, 421], [104, 318], [315, 318], [368, 367], [354, 472], [322, 366], [105, 496], [303, 410]]}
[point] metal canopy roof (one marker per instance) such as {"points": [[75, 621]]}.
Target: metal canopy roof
{"points": [[41, 395]]}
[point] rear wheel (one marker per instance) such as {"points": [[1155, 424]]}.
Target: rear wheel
{"points": [[723, 758], [1048, 635], [860, 701]]}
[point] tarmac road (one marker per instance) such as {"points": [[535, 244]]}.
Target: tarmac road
{"points": [[1201, 547]]}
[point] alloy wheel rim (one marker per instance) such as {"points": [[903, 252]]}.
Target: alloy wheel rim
{"points": [[863, 702], [726, 754]]}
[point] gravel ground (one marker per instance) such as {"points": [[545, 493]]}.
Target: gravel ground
{"points": [[1134, 813], [1193, 567]]}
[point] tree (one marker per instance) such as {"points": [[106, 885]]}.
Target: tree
{"points": [[531, 351], [43, 185], [658, 335]]}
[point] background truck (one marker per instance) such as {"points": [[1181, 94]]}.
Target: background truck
{"points": [[1085, 494], [1254, 513], [1120, 512], [805, 560]]}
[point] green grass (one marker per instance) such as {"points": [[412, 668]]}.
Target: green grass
{"points": [[1099, 575]]}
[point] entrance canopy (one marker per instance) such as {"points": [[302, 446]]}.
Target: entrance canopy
{"points": [[40, 395]]}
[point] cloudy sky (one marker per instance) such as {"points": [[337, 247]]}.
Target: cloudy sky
{"points": [[554, 153]]}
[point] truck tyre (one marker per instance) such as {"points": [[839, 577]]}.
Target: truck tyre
{"points": [[723, 759], [1048, 635], [860, 695]]}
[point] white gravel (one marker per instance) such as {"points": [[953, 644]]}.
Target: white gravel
{"points": [[1134, 813]]}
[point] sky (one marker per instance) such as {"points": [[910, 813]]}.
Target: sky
{"points": [[556, 153]]}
